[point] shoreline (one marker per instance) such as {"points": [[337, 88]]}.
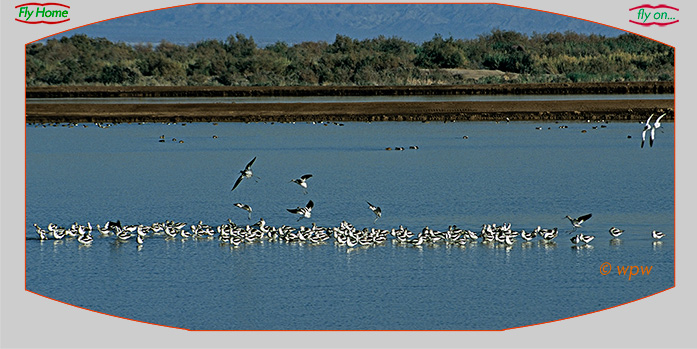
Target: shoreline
{"points": [[578, 110], [650, 87], [608, 110]]}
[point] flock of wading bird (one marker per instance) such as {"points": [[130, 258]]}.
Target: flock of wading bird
{"points": [[344, 234]]}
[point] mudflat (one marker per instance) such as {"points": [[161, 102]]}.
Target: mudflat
{"points": [[616, 110]]}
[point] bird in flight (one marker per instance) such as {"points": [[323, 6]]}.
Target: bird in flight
{"points": [[376, 210], [652, 129], [576, 222], [246, 208], [647, 127], [304, 212], [302, 181], [246, 173]]}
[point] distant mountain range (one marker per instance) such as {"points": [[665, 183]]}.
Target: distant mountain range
{"points": [[294, 23]]}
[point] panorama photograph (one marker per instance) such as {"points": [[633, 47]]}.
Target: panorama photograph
{"points": [[399, 167]]}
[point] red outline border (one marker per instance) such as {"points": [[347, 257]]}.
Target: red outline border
{"points": [[45, 4], [654, 7], [654, 23], [63, 21], [675, 236]]}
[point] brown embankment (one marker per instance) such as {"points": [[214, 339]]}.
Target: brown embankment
{"points": [[299, 91], [620, 110]]}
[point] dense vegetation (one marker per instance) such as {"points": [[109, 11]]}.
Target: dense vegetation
{"points": [[552, 57]]}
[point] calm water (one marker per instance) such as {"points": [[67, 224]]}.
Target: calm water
{"points": [[501, 173]]}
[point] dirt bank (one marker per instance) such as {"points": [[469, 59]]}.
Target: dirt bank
{"points": [[617, 110], [259, 91]]}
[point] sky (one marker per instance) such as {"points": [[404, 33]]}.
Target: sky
{"points": [[294, 23]]}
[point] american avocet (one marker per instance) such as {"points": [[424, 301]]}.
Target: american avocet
{"points": [[376, 210], [653, 129], [657, 123], [615, 232], [648, 127], [139, 238], [122, 235], [246, 208], [58, 234], [587, 238], [103, 231], [417, 242], [302, 181], [576, 222], [246, 173], [657, 235], [304, 212], [508, 239], [85, 237], [549, 234], [110, 225], [579, 238], [41, 232], [527, 236]]}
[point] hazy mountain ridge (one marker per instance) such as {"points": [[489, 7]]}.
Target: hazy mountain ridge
{"points": [[293, 23]]}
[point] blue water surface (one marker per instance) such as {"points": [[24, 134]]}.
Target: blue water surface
{"points": [[500, 173]]}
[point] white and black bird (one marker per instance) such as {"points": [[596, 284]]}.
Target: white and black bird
{"points": [[304, 212], [376, 210], [246, 208], [109, 225], [140, 235], [657, 123], [85, 238], [41, 232], [657, 235], [246, 173], [615, 232], [548, 234], [576, 222], [577, 239], [648, 127], [302, 181]]}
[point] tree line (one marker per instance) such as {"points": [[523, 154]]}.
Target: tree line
{"points": [[239, 61]]}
